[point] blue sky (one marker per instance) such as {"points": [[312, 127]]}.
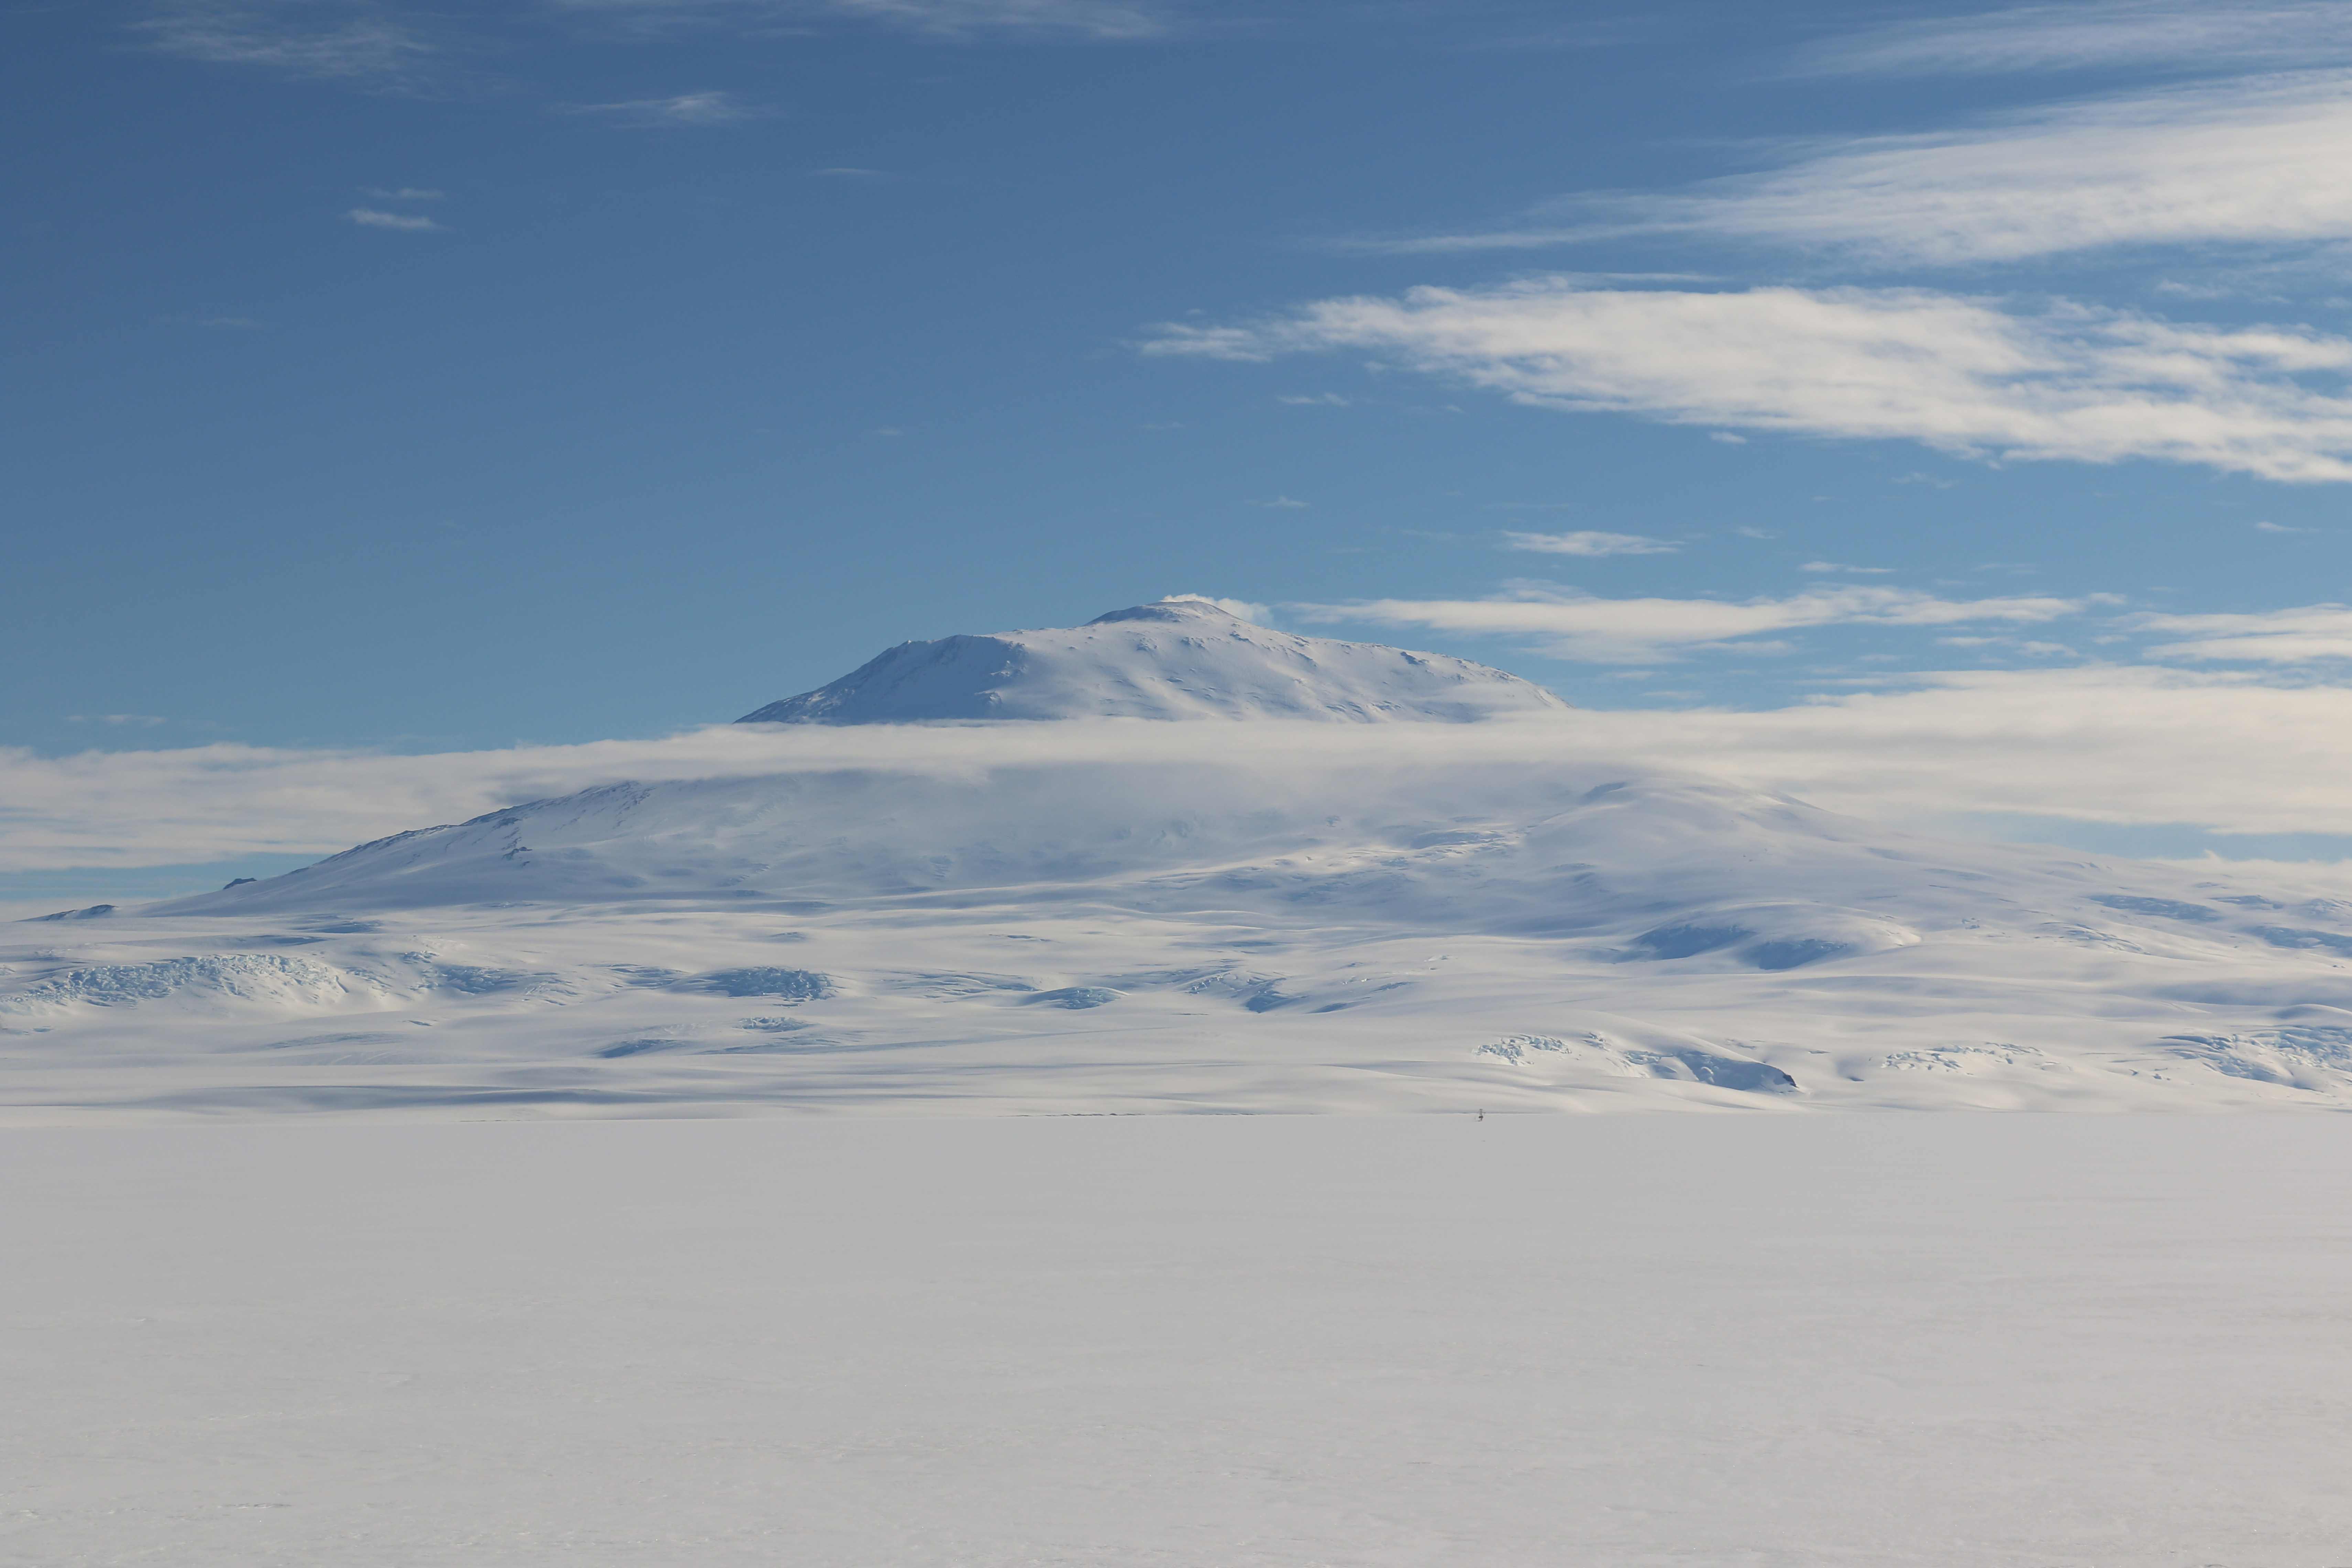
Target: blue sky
{"points": [[433, 379]]}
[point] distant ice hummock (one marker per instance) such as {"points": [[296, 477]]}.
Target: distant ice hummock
{"points": [[1177, 658]]}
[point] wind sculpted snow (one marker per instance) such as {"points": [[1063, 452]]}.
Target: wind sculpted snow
{"points": [[1231, 915]]}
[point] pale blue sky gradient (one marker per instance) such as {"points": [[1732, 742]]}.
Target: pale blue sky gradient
{"points": [[431, 380]]}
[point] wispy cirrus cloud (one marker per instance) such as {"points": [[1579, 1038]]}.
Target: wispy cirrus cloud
{"points": [[1104, 19], [399, 44], [707, 108], [2249, 160], [1589, 542], [1085, 18], [2252, 161], [1643, 631], [1962, 374], [2196, 34], [2311, 634], [350, 40], [369, 218]]}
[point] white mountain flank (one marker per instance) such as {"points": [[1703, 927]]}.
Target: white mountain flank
{"points": [[1183, 658], [1256, 910]]}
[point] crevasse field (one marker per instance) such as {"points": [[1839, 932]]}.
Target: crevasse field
{"points": [[1096, 1100]]}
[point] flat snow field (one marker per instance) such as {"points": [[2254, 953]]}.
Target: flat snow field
{"points": [[1937, 1339]]}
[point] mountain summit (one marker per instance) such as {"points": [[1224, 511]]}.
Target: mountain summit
{"points": [[1183, 658], [1038, 919]]}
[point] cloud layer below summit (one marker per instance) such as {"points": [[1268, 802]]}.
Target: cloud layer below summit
{"points": [[2105, 743]]}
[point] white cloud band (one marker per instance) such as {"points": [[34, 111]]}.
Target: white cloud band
{"points": [[2310, 634], [2104, 33], [367, 217], [2253, 160], [1960, 375], [1589, 542], [1637, 631], [711, 108], [1108, 19], [2105, 743]]}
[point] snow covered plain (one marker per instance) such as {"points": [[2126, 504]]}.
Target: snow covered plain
{"points": [[1640, 1342], [1340, 890], [820, 1164]]}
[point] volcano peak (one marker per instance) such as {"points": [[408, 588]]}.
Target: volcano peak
{"points": [[1180, 657]]}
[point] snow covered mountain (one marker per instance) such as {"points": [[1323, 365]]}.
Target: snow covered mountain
{"points": [[1236, 913], [1178, 658]]}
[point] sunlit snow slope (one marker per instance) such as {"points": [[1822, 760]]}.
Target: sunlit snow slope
{"points": [[1091, 913], [1178, 658]]}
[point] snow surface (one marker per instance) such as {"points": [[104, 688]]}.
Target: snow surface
{"points": [[1640, 1342], [1176, 658], [1077, 1329], [1092, 914]]}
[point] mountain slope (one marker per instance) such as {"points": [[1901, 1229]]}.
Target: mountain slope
{"points": [[1178, 658], [1231, 914]]}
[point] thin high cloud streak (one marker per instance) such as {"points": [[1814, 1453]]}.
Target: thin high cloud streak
{"points": [[2252, 161], [1641, 631], [2255, 160], [368, 217], [2310, 634], [396, 47], [1084, 18], [1962, 375], [687, 109], [2198, 34], [1589, 542], [313, 38], [2117, 744]]}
